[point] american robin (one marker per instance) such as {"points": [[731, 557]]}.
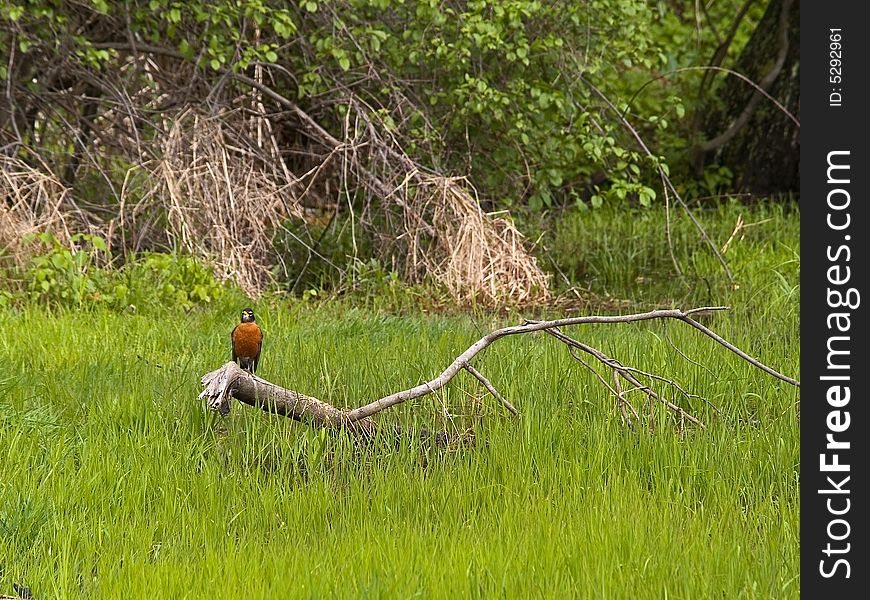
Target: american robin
{"points": [[247, 341]]}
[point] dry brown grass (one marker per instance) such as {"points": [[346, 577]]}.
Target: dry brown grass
{"points": [[31, 201], [221, 189], [475, 256], [227, 197], [224, 203]]}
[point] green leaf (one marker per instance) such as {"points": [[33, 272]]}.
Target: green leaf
{"points": [[285, 30], [186, 49]]}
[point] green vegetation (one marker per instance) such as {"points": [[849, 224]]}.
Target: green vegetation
{"points": [[82, 276], [504, 92], [625, 254], [117, 482], [361, 167], [306, 143]]}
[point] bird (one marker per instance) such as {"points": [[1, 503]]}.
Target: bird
{"points": [[247, 341]]}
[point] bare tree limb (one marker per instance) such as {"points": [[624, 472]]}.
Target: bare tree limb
{"points": [[231, 381]]}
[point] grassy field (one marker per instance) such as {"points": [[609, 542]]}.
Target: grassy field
{"points": [[116, 482]]}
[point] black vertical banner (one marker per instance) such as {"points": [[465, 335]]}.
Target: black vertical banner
{"points": [[835, 349]]}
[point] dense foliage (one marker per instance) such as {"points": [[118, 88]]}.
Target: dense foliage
{"points": [[503, 91]]}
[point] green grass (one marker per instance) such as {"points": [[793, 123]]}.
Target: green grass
{"points": [[116, 482], [625, 254]]}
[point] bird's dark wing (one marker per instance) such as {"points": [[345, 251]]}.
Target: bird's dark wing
{"points": [[259, 349], [233, 344]]}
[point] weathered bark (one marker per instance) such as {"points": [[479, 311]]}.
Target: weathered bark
{"points": [[230, 381], [749, 134]]}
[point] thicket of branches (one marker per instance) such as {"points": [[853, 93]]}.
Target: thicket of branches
{"points": [[220, 128]]}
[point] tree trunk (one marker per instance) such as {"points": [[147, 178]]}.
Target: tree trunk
{"points": [[749, 133]]}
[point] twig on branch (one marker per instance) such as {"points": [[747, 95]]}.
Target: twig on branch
{"points": [[492, 389], [626, 373], [621, 400], [231, 381], [616, 391]]}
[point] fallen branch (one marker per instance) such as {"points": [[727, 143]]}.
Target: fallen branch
{"points": [[232, 382]]}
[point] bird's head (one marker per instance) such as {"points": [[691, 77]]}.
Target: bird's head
{"points": [[248, 315]]}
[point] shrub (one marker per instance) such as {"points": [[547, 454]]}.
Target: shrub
{"points": [[83, 275]]}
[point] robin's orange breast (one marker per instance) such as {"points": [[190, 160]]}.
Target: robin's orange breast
{"points": [[246, 340]]}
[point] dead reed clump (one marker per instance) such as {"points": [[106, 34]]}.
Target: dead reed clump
{"points": [[477, 257], [222, 201], [32, 202], [441, 232]]}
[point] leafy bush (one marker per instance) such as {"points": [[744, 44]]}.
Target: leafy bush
{"points": [[171, 280], [499, 90], [68, 276], [81, 275]]}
